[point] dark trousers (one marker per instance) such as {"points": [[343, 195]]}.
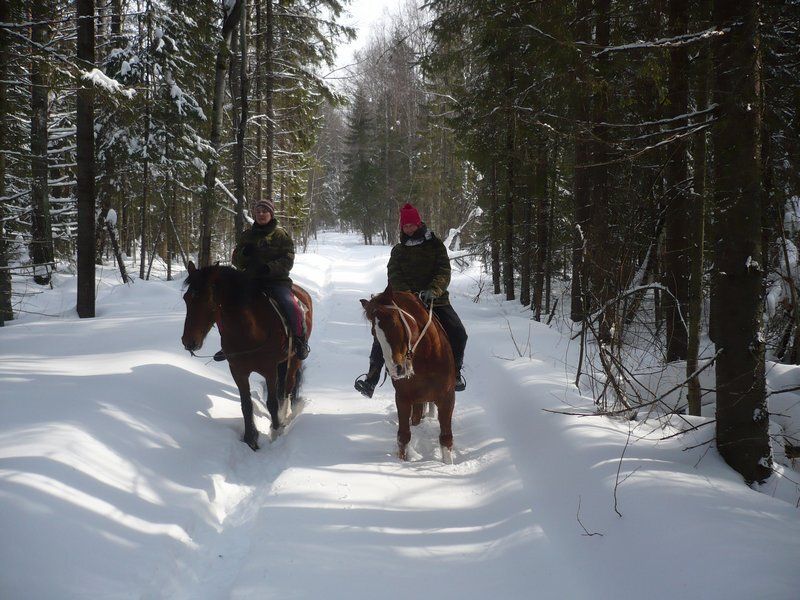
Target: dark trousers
{"points": [[291, 310], [452, 326]]}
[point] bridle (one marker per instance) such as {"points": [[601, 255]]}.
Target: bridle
{"points": [[403, 314], [217, 310]]}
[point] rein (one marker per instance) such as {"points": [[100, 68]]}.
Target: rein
{"points": [[403, 314]]}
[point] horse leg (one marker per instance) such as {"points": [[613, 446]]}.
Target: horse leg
{"points": [[403, 430], [431, 410], [272, 399], [250, 431], [417, 413], [291, 379], [283, 387], [446, 407]]}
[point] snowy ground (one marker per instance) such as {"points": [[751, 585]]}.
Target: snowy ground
{"points": [[122, 473]]}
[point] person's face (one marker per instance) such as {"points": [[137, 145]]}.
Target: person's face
{"points": [[262, 215], [410, 228]]}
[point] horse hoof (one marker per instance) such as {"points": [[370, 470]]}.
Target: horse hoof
{"points": [[275, 433], [447, 456], [252, 442]]}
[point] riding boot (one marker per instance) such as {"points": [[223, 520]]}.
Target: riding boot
{"points": [[367, 385], [301, 348], [220, 356]]}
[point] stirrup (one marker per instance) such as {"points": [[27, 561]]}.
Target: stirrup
{"points": [[461, 383], [301, 348], [220, 356], [365, 386]]}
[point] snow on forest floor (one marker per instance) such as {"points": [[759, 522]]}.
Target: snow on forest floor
{"points": [[122, 473]]}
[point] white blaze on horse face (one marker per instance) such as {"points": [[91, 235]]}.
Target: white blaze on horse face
{"points": [[406, 368]]}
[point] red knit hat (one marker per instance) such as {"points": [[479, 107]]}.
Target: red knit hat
{"points": [[409, 216]]}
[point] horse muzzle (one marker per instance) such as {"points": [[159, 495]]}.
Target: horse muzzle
{"points": [[191, 345], [402, 370]]}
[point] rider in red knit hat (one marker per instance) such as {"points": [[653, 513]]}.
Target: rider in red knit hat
{"points": [[420, 264]]}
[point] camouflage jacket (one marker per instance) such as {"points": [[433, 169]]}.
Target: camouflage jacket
{"points": [[265, 252], [420, 262]]}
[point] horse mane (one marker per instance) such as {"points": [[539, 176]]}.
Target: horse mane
{"points": [[238, 288]]}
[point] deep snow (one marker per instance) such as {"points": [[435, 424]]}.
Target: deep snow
{"points": [[122, 473]]}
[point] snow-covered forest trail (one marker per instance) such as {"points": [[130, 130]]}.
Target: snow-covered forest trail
{"points": [[122, 473], [329, 501]]}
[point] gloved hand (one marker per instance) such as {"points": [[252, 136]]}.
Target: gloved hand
{"points": [[427, 296]]}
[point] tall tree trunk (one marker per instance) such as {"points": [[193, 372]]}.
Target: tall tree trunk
{"points": [[146, 168], [230, 22], [109, 187], [697, 222], [601, 247], [525, 256], [42, 238], [508, 246], [742, 416], [259, 94], [676, 249], [145, 188], [553, 196], [581, 188], [542, 234], [6, 314], [495, 238], [244, 90], [269, 68], [85, 163]]}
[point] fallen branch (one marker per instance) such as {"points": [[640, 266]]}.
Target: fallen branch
{"points": [[578, 517]]}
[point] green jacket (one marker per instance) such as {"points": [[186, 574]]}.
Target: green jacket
{"points": [[418, 263], [266, 253]]}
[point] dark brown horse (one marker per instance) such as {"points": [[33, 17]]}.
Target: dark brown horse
{"points": [[253, 335], [419, 360]]}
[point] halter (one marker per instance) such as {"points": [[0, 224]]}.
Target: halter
{"points": [[403, 315]]}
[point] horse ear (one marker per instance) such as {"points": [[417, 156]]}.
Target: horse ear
{"points": [[388, 291], [364, 302], [191, 268]]}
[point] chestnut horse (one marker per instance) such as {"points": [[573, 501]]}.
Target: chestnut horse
{"points": [[419, 360], [253, 335]]}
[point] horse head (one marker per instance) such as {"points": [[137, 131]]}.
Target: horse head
{"points": [[202, 307], [394, 328]]}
